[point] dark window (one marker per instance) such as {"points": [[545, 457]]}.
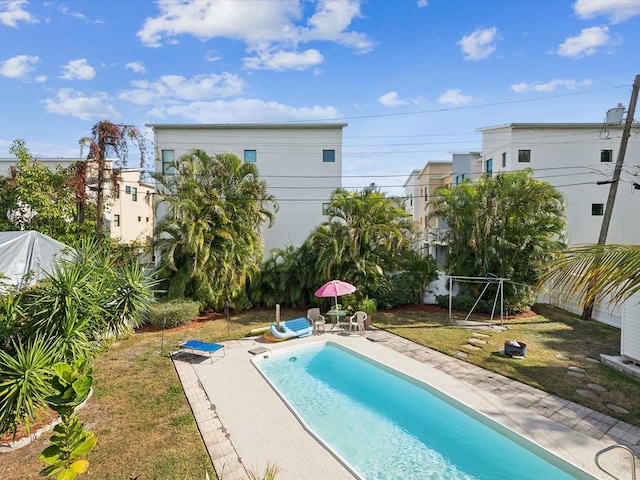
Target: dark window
{"points": [[139, 219], [127, 189], [606, 155], [504, 159], [524, 156], [325, 209], [147, 219], [597, 209], [250, 156], [328, 156], [134, 194], [489, 166], [116, 220], [168, 168]]}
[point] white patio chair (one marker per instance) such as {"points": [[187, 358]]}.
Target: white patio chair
{"points": [[317, 320], [356, 322]]}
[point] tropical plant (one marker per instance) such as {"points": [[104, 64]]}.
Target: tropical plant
{"points": [[270, 473], [506, 225], [366, 235], [71, 385], [35, 197], [594, 271], [24, 382], [209, 240]]}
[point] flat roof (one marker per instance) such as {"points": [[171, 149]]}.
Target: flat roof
{"points": [[240, 126], [551, 125]]}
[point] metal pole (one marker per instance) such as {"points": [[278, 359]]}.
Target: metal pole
{"points": [[613, 189], [164, 321]]}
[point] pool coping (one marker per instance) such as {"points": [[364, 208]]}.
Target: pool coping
{"points": [[244, 424]]}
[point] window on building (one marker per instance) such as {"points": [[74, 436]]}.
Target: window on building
{"points": [[168, 156], [458, 179], [504, 159], [411, 200], [139, 219], [606, 155], [250, 156], [524, 156], [328, 156], [325, 209], [489, 166], [116, 220], [597, 209], [127, 189], [134, 194], [147, 219]]}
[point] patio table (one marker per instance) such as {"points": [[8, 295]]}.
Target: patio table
{"points": [[338, 315]]}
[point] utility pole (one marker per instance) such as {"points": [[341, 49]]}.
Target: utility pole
{"points": [[613, 189]]}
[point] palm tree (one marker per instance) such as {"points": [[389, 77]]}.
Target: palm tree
{"points": [[367, 234], [209, 239], [596, 270], [506, 225]]}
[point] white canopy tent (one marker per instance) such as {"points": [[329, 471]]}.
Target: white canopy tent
{"points": [[27, 251]]}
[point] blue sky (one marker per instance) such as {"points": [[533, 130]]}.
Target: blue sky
{"points": [[414, 79]]}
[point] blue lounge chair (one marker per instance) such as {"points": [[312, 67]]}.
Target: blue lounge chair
{"points": [[196, 346], [298, 327]]}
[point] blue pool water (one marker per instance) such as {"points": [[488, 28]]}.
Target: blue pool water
{"points": [[385, 426]]}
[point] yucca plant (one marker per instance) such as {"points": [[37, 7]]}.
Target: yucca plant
{"points": [[270, 473], [24, 383]]}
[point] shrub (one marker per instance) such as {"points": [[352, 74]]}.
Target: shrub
{"points": [[175, 313], [394, 290], [465, 304]]}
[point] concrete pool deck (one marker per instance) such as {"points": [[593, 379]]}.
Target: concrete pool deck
{"points": [[245, 426]]}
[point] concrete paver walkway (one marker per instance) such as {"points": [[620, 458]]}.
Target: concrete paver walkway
{"points": [[244, 424]]}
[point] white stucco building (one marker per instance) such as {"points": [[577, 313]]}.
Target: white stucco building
{"points": [[574, 157], [301, 164]]}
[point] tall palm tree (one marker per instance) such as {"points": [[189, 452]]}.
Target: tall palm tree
{"points": [[209, 239], [506, 225], [596, 270]]}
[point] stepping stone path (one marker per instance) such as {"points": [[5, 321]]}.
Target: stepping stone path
{"points": [[596, 388], [468, 346], [592, 360], [587, 393], [616, 408], [562, 357], [575, 374], [480, 335], [477, 341], [460, 354], [576, 369]]}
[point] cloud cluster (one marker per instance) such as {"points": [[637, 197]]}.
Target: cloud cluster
{"points": [[479, 44], [80, 105], [272, 31], [549, 86], [78, 70], [12, 12], [19, 66]]}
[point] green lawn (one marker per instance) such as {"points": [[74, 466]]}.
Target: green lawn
{"points": [[145, 428]]}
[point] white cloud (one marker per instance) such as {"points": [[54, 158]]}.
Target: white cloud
{"points": [[78, 70], [479, 44], [18, 66], [242, 111], [616, 10], [331, 21], [264, 26], [422, 3], [550, 86], [11, 12], [175, 88], [81, 16], [77, 104], [280, 61], [136, 67], [587, 43], [392, 99], [454, 96]]}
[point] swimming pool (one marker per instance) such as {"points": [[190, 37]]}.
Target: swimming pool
{"points": [[383, 424]]}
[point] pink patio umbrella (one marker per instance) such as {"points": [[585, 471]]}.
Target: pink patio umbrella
{"points": [[335, 289]]}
